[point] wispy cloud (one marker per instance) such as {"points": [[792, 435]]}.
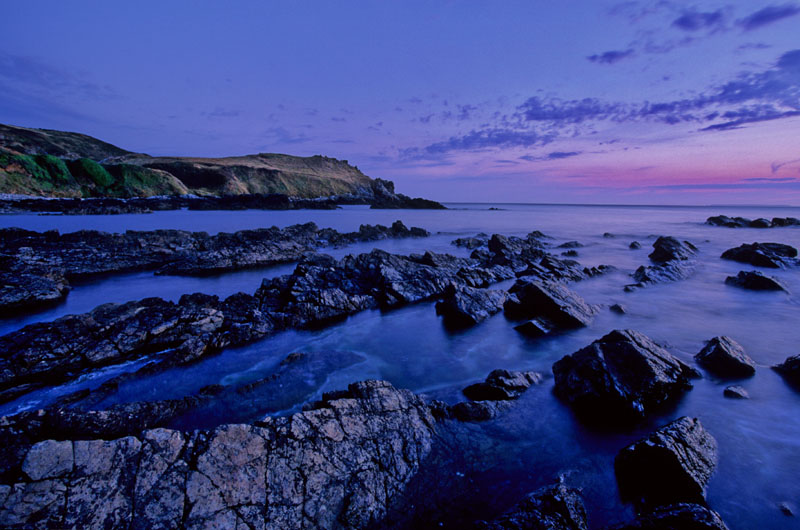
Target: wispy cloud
{"points": [[768, 15], [555, 155], [611, 57], [696, 20]]}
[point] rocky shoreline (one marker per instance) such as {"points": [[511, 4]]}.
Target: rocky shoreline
{"points": [[358, 457]]}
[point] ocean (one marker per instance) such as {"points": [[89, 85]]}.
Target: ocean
{"points": [[539, 438]]}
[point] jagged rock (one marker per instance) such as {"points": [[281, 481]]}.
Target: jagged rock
{"points": [[555, 507], [755, 281], [535, 328], [635, 245], [515, 252], [785, 221], [466, 306], [472, 243], [770, 255], [668, 248], [681, 516], [786, 509], [618, 309], [742, 222], [29, 286], [552, 301], [672, 263], [736, 392], [338, 465], [570, 253], [731, 222], [502, 385], [608, 235], [790, 369], [621, 377], [672, 465], [725, 357]]}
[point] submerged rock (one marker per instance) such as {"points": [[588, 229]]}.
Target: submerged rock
{"points": [[770, 255], [680, 516], [466, 306], [736, 392], [555, 507], [725, 357], [672, 465], [622, 377], [635, 245], [618, 309], [338, 465], [755, 281]]}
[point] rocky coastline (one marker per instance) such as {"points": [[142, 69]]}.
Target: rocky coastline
{"points": [[357, 457]]}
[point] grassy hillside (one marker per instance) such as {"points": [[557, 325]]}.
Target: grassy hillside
{"points": [[50, 163]]}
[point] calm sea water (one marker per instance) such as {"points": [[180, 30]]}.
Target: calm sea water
{"points": [[759, 439]]}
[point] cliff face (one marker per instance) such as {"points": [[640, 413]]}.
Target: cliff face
{"points": [[49, 163]]}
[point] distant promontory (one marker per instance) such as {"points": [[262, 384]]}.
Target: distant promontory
{"points": [[56, 164]]}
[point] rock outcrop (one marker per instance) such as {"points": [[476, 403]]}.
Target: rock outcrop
{"points": [[489, 398], [743, 222], [724, 357], [622, 377], [672, 465], [337, 465], [735, 392], [755, 281], [466, 306], [672, 260], [769, 255], [790, 370], [555, 507], [681, 516], [548, 305]]}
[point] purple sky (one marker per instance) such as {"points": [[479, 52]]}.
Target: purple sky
{"points": [[593, 101]]}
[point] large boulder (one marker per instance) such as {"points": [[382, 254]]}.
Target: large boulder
{"points": [[680, 516], [464, 306], [555, 507], [672, 465], [725, 357], [667, 248], [672, 262], [755, 281], [620, 377], [552, 301], [769, 255], [724, 220]]}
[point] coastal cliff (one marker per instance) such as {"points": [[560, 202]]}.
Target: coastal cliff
{"points": [[47, 163]]}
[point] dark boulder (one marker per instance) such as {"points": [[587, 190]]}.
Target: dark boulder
{"points": [[571, 244], [677, 517], [755, 281], [620, 378], [476, 411], [790, 370], [725, 357], [785, 221], [730, 222], [667, 248], [502, 385], [618, 309], [769, 255], [471, 243], [552, 301], [556, 507], [466, 306], [760, 223], [635, 245], [672, 465]]}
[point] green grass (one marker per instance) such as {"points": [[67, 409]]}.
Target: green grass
{"points": [[83, 169]]}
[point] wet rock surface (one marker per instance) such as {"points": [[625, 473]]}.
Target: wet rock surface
{"points": [[555, 507], [552, 302], [725, 357], [768, 255], [743, 222], [337, 465], [755, 281], [681, 516], [672, 260], [466, 306], [672, 465], [502, 385], [790, 370], [621, 377], [735, 392]]}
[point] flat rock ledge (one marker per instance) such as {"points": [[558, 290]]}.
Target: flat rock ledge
{"points": [[755, 281], [337, 465], [672, 465], [620, 378], [768, 255]]}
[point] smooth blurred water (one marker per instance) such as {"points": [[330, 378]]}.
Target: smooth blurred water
{"points": [[759, 439]]}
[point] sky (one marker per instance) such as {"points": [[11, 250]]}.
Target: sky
{"points": [[640, 102]]}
